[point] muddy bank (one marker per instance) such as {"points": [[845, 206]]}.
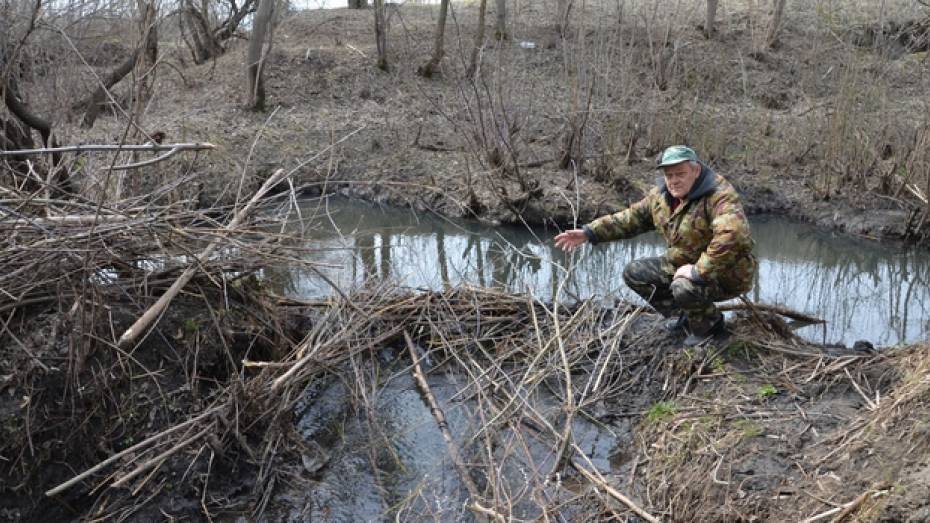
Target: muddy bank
{"points": [[72, 400], [825, 131]]}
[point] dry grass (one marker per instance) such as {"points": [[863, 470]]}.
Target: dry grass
{"points": [[817, 118]]}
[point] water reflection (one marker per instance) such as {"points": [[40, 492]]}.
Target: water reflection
{"points": [[864, 290]]}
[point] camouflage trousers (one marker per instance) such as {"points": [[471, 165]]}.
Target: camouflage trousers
{"points": [[651, 279]]}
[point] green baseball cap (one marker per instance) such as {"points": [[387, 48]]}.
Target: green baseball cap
{"points": [[676, 154]]}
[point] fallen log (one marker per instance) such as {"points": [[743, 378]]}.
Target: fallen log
{"points": [[437, 413], [111, 148], [775, 309]]}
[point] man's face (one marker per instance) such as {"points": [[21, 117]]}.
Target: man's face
{"points": [[680, 177]]}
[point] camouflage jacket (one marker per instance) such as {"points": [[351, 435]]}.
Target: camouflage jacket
{"points": [[708, 229]]}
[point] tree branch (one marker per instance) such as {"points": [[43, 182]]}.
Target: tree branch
{"points": [[110, 148]]}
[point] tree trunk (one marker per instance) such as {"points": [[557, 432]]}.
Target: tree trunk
{"points": [[229, 26], [204, 41], [18, 108], [358, 4], [148, 58], [775, 28], [257, 54], [710, 18], [381, 34], [91, 105], [564, 8], [500, 27], [430, 68], [203, 44], [479, 40]]}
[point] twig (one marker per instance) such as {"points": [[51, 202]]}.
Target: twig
{"points": [[868, 401], [596, 478], [155, 160], [110, 148], [436, 410], [846, 509], [161, 457], [142, 444], [777, 309]]}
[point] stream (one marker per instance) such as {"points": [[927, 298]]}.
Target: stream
{"points": [[374, 452], [864, 290]]}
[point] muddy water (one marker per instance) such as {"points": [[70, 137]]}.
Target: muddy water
{"points": [[865, 290], [382, 457]]}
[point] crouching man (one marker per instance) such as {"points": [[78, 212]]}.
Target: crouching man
{"points": [[709, 257]]}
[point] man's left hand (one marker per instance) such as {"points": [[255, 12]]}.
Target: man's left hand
{"points": [[684, 271]]}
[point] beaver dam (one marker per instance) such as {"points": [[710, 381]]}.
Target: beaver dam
{"points": [[381, 402]]}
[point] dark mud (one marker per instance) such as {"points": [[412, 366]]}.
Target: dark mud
{"points": [[70, 400]]}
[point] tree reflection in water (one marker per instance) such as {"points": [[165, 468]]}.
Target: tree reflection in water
{"points": [[864, 290]]}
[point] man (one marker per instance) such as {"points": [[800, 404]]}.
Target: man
{"points": [[709, 256]]}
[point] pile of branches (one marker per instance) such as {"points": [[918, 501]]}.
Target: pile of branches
{"points": [[121, 317], [511, 344], [599, 364]]}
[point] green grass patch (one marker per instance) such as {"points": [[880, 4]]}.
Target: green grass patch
{"points": [[661, 411], [766, 391], [748, 428]]}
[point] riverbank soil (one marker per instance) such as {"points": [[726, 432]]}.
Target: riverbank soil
{"points": [[827, 124], [71, 399], [760, 427]]}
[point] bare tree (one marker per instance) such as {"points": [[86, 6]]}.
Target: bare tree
{"points": [[479, 40], [142, 61], [500, 27], [18, 135], [148, 56], [710, 18], [257, 53], [204, 39], [775, 28], [430, 68], [381, 34], [564, 9]]}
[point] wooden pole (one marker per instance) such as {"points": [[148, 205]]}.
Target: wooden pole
{"points": [[110, 148], [436, 410]]}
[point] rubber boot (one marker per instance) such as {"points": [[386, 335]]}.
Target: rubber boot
{"points": [[717, 331], [676, 326]]}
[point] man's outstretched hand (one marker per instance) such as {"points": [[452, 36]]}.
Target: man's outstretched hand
{"points": [[685, 271], [568, 241]]}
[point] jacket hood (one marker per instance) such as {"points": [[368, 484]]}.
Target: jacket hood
{"points": [[705, 184]]}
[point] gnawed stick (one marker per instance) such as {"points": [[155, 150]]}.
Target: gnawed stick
{"points": [[138, 446], [597, 479], [161, 304], [595, 476], [70, 219], [776, 309], [491, 513], [162, 457], [436, 410], [846, 509]]}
